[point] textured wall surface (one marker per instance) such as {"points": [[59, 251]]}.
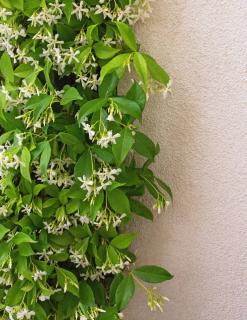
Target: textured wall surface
{"points": [[202, 132]]}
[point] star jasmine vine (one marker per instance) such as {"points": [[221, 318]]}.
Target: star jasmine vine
{"points": [[74, 163]]}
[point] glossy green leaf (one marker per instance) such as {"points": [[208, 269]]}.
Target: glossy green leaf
{"points": [[123, 241], [68, 281], [128, 106], [140, 209], [141, 68], [119, 201], [152, 274], [156, 71], [125, 292], [22, 237], [45, 157], [25, 164], [123, 145], [144, 145], [120, 61], [86, 294], [6, 67], [3, 231], [70, 94], [104, 51], [91, 106], [127, 35]]}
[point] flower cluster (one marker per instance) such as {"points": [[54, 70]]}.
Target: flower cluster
{"points": [[70, 180]]}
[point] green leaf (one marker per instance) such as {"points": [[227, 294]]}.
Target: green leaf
{"points": [[84, 166], [45, 157], [141, 68], [140, 209], [119, 201], [82, 57], [39, 104], [123, 145], [144, 146], [91, 106], [18, 4], [15, 294], [68, 9], [113, 288], [86, 294], [119, 61], [22, 237], [25, 163], [40, 313], [3, 231], [6, 67], [137, 94], [165, 187], [23, 70], [128, 106], [123, 241], [71, 94], [71, 140], [108, 87], [156, 71], [125, 292], [152, 274], [68, 281], [47, 71], [103, 51], [127, 35], [25, 250]]}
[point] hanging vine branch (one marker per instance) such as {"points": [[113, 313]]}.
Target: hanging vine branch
{"points": [[69, 180]]}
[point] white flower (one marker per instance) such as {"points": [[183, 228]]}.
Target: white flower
{"points": [[87, 184], [110, 117], [167, 89], [79, 10], [4, 14], [38, 275], [44, 298], [57, 7], [83, 318], [108, 138], [25, 314], [71, 55], [27, 208], [3, 211], [87, 128]]}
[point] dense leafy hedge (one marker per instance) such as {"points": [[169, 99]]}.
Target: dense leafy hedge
{"points": [[69, 179]]}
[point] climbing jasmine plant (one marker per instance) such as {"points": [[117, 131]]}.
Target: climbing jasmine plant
{"points": [[70, 182]]}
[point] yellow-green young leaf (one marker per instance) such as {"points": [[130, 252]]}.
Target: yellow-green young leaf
{"points": [[6, 4], [156, 71], [123, 241], [92, 33], [3, 231], [71, 94], [103, 51], [127, 35], [152, 274], [125, 292], [119, 201], [123, 145], [39, 104], [25, 164], [82, 57], [6, 67], [141, 68], [120, 61]]}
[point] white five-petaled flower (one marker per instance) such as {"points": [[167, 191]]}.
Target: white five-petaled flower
{"points": [[4, 13], [43, 297], [107, 139], [38, 275], [80, 10], [86, 184], [71, 54], [25, 314], [87, 128]]}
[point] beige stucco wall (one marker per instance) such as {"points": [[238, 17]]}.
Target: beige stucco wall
{"points": [[202, 132]]}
